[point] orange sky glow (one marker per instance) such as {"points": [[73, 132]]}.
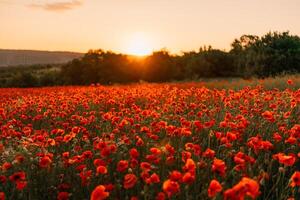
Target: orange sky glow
{"points": [[140, 26]]}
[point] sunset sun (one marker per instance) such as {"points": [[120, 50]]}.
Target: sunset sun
{"points": [[139, 45]]}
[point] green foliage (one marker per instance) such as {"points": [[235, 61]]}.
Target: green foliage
{"points": [[30, 76], [24, 79], [270, 55], [159, 67], [98, 66], [209, 63]]}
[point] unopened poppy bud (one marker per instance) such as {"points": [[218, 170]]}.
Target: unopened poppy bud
{"points": [[281, 169]]}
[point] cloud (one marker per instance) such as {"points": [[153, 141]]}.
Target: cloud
{"points": [[58, 6]]}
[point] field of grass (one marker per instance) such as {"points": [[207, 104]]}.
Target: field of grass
{"points": [[279, 82], [236, 139]]}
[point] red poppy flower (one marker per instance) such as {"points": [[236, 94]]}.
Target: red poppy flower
{"points": [[160, 196], [190, 166], [214, 188], [63, 196], [155, 151], [175, 175], [20, 185], [295, 179], [145, 166], [268, 115], [122, 165], [6, 166], [219, 166], [289, 82], [19, 158], [277, 137], [154, 178], [63, 186], [99, 193], [209, 153], [2, 179], [134, 153], [17, 176], [101, 170], [188, 178], [287, 160], [171, 187], [98, 162], [2, 196], [109, 187], [129, 181], [246, 187], [85, 177], [45, 162]]}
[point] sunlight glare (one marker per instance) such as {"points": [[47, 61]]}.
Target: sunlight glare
{"points": [[139, 45]]}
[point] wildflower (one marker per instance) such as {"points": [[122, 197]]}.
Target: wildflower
{"points": [[45, 162], [155, 151], [2, 179], [99, 193], [101, 170], [268, 115], [63, 186], [277, 137], [160, 196], [190, 165], [98, 162], [198, 124], [63, 196], [85, 177], [287, 160], [219, 166], [2, 196], [175, 175], [223, 124], [154, 178], [295, 179], [133, 153], [188, 178], [122, 165], [109, 187], [291, 140], [6, 166], [17, 176], [246, 187], [289, 82], [171, 187], [20, 185], [129, 181], [145, 166], [209, 153], [19, 159], [214, 188]]}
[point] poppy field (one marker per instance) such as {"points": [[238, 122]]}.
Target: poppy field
{"points": [[150, 141]]}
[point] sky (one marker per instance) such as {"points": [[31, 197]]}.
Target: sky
{"points": [[139, 26]]}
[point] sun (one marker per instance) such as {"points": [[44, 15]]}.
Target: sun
{"points": [[139, 45]]}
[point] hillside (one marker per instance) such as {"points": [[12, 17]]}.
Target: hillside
{"points": [[31, 57]]}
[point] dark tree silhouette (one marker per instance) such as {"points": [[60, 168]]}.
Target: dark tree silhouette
{"points": [[270, 55]]}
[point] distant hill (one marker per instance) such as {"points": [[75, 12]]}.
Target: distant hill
{"points": [[32, 57]]}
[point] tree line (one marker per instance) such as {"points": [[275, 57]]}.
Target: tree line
{"points": [[250, 56]]}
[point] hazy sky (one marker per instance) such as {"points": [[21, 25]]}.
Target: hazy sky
{"points": [[125, 25]]}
